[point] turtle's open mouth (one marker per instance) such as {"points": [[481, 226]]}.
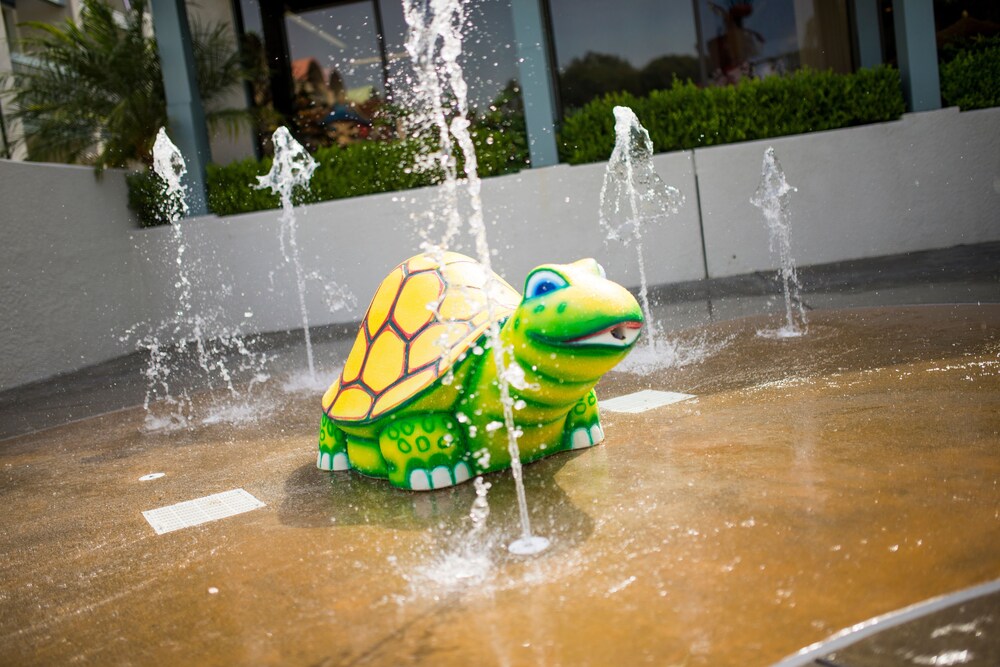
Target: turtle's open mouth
{"points": [[622, 334]]}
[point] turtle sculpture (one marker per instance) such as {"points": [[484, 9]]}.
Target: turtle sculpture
{"points": [[419, 402]]}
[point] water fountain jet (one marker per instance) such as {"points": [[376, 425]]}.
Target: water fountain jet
{"points": [[633, 198], [434, 43], [291, 169], [771, 198], [183, 344]]}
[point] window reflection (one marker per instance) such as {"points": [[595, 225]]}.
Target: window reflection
{"points": [[628, 45], [349, 72], [758, 39], [965, 25], [489, 56], [337, 73], [639, 46]]}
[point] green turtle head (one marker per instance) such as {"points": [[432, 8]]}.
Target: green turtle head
{"points": [[573, 323]]}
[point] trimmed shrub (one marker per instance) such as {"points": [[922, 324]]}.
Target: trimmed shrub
{"points": [[231, 189], [145, 194], [686, 116], [362, 168], [971, 79]]}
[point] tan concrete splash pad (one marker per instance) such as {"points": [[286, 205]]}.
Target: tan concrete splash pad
{"points": [[811, 484]]}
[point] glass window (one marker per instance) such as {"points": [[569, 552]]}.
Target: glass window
{"points": [[337, 73], [627, 45], [965, 25], [489, 54], [757, 39], [345, 82]]}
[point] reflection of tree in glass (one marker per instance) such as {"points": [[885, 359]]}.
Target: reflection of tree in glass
{"points": [[659, 73], [597, 74]]}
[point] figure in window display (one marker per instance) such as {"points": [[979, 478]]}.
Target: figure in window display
{"points": [[311, 103], [344, 123], [732, 51]]}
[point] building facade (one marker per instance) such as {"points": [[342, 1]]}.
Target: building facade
{"points": [[330, 69]]}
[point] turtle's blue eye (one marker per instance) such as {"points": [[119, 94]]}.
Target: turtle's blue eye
{"points": [[543, 282]]}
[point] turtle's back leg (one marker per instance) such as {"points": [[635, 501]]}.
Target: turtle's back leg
{"points": [[332, 453], [583, 424], [425, 451]]}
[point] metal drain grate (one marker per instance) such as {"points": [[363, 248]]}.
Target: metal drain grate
{"points": [[644, 400], [201, 510]]}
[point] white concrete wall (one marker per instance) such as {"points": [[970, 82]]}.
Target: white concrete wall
{"points": [[929, 180], [545, 215], [70, 281], [77, 272]]}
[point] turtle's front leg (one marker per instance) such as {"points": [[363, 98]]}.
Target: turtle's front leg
{"points": [[332, 453], [425, 451], [583, 424]]}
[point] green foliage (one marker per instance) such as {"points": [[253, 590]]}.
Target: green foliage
{"points": [[97, 97], [145, 192], [597, 74], [363, 168], [231, 189], [686, 116], [971, 78]]}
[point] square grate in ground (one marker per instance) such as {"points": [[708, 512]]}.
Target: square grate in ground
{"points": [[201, 510], [641, 401]]}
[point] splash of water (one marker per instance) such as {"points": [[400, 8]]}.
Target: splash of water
{"points": [[676, 352], [633, 198], [292, 169], [771, 198], [434, 44], [186, 332]]}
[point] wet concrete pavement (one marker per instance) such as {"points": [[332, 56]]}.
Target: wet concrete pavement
{"points": [[812, 483], [963, 274]]}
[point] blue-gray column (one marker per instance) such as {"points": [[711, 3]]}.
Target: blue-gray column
{"points": [[916, 50], [536, 81], [185, 114], [869, 38]]}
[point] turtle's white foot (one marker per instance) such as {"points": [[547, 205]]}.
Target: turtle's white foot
{"points": [[332, 454], [583, 425], [327, 461], [424, 451], [439, 478], [581, 438]]}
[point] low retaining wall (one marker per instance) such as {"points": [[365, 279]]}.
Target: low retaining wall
{"points": [[70, 275], [78, 273], [929, 180]]}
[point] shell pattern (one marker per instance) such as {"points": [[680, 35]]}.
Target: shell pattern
{"points": [[422, 319]]}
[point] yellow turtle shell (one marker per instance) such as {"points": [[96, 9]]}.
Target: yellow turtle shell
{"points": [[422, 319]]}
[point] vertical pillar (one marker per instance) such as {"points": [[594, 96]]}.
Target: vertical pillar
{"points": [[868, 37], [916, 49], [180, 85], [13, 147], [272, 16], [537, 87]]}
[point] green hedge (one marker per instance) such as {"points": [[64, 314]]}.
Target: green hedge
{"points": [[971, 79], [686, 116], [362, 168]]}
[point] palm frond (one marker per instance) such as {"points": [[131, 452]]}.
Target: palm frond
{"points": [[97, 96]]}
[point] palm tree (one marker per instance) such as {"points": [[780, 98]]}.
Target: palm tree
{"points": [[96, 96]]}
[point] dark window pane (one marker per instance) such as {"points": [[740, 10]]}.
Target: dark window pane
{"points": [[758, 39], [489, 55], [965, 25], [336, 72], [630, 45]]}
